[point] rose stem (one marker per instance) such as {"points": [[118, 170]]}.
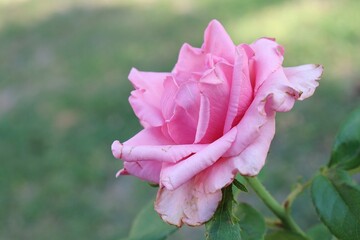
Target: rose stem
{"points": [[274, 206]]}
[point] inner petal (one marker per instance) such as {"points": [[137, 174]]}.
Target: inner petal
{"points": [[215, 89], [185, 104]]}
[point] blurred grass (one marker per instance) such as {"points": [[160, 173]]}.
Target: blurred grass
{"points": [[64, 90]]}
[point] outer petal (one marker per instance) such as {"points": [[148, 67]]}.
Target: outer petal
{"points": [[145, 99], [191, 60], [161, 153], [304, 78], [148, 114], [249, 162], [268, 58], [167, 100], [174, 175], [256, 131], [149, 136], [275, 94], [187, 204], [219, 175], [150, 81], [218, 42], [149, 170]]}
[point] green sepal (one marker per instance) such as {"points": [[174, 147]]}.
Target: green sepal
{"points": [[223, 225], [239, 185]]}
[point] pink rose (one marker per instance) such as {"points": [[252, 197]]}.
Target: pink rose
{"points": [[210, 118]]}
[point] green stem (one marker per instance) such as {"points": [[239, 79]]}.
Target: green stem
{"points": [[299, 188], [355, 171], [274, 206]]}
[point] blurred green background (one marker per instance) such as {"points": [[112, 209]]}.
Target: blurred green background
{"points": [[64, 90]]}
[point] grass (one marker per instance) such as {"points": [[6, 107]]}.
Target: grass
{"points": [[64, 90]]}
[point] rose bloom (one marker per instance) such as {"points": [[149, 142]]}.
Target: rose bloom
{"points": [[211, 117]]}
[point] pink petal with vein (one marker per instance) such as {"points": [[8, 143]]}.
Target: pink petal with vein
{"points": [[190, 60], [215, 93], [304, 78], [249, 162], [241, 92], [218, 42], [174, 175], [149, 170], [187, 204], [161, 153], [145, 99], [268, 58], [204, 118]]}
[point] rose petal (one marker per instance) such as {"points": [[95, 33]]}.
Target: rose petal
{"points": [[116, 148], [187, 204], [161, 153], [142, 143], [145, 99], [148, 114], [121, 172], [167, 100], [268, 58], [304, 78], [241, 92], [215, 93], [181, 106], [191, 60], [249, 162], [218, 42], [147, 171], [248, 127], [281, 95], [149, 136], [273, 95], [174, 175], [204, 118], [182, 127], [188, 97], [219, 175], [150, 81]]}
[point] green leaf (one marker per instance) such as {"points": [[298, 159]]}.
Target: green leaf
{"points": [[239, 185], [337, 202], [223, 225], [252, 223], [149, 226], [284, 235], [319, 231], [346, 149]]}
